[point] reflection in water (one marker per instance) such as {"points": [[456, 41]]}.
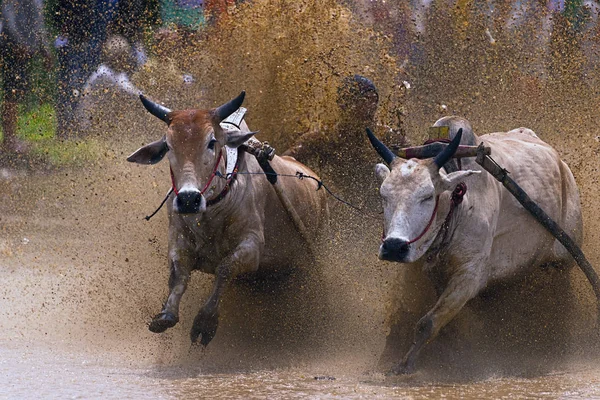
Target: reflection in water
{"points": [[81, 272]]}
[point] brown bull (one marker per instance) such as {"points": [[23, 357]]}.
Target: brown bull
{"points": [[222, 222]]}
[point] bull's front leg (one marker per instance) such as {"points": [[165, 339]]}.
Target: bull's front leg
{"points": [[245, 258], [180, 262], [462, 287]]}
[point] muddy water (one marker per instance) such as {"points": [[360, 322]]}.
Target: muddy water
{"points": [[29, 371], [82, 273]]}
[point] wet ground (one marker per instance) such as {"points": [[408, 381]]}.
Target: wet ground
{"points": [[82, 274], [31, 370]]}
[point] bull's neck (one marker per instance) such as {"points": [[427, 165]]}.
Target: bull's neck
{"points": [[446, 222], [224, 188]]}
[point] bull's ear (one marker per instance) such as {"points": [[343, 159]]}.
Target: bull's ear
{"points": [[150, 153], [381, 172], [235, 138], [452, 179]]}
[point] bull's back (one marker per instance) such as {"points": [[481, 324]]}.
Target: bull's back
{"points": [[309, 201], [535, 166], [283, 242]]}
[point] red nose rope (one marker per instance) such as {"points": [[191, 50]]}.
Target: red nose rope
{"points": [[214, 173], [457, 197], [437, 198]]}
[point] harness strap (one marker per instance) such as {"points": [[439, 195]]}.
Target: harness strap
{"points": [[457, 197], [230, 178], [173, 182]]}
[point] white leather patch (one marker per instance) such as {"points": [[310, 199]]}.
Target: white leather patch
{"points": [[236, 118], [232, 154]]}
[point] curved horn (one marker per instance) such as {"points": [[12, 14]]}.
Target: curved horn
{"points": [[230, 107], [155, 109], [381, 148], [449, 151]]}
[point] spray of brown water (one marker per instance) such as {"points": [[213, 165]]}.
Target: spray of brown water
{"points": [[82, 269]]}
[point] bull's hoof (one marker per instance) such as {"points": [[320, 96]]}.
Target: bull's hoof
{"points": [[205, 327], [401, 369], [162, 322]]}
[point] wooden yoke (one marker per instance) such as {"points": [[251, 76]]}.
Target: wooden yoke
{"points": [[433, 149]]}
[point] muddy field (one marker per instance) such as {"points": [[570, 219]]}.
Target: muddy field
{"points": [[82, 273]]}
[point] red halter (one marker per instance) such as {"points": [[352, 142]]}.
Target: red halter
{"points": [[210, 179], [230, 178], [457, 197], [429, 223]]}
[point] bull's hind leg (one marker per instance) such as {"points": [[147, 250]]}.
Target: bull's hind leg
{"points": [[169, 316], [244, 259], [461, 288]]}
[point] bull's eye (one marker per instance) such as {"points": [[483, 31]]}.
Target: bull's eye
{"points": [[426, 199], [211, 144]]}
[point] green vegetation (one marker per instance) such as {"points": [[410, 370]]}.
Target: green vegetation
{"points": [[37, 127], [38, 124]]}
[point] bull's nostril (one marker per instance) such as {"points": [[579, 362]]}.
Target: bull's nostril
{"points": [[189, 202], [395, 249]]}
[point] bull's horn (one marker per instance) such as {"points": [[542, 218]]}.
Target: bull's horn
{"points": [[381, 148], [449, 151], [155, 109], [230, 107]]}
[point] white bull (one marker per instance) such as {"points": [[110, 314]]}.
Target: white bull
{"points": [[489, 237], [220, 223]]}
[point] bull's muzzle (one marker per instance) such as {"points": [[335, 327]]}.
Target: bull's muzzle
{"points": [[190, 202], [394, 249]]}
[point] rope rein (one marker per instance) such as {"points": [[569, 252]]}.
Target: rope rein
{"points": [[457, 197], [298, 175], [147, 217], [301, 175], [437, 200]]}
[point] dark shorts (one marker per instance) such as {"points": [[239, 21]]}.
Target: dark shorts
{"points": [[14, 63]]}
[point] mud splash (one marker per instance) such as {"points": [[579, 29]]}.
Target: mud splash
{"points": [[82, 272]]}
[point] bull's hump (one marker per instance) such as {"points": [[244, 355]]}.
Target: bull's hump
{"points": [[523, 131], [523, 134]]}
